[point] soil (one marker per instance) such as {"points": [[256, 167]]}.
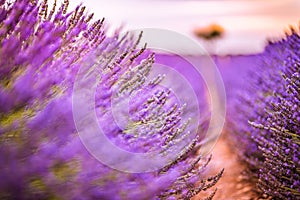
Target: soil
{"points": [[231, 186]]}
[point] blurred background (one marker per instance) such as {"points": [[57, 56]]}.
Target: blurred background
{"points": [[246, 23]]}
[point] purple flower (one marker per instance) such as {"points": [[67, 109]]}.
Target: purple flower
{"points": [[267, 119], [41, 154]]}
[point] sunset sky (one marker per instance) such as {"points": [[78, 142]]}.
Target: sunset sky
{"points": [[247, 23]]}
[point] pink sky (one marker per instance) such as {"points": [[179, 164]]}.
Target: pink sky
{"points": [[247, 22]]}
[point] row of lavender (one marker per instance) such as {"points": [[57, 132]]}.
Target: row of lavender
{"points": [[41, 155], [265, 119]]}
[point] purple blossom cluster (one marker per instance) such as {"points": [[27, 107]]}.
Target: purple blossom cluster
{"points": [[41, 154], [267, 119]]}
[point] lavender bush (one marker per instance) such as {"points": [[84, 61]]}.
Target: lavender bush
{"points": [[41, 155], [267, 119]]}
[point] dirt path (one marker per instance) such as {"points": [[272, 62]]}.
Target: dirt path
{"points": [[229, 186]]}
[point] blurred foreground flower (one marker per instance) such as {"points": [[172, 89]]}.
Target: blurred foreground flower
{"points": [[267, 120], [42, 157]]}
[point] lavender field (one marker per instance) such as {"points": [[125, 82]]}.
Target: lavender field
{"points": [[90, 111]]}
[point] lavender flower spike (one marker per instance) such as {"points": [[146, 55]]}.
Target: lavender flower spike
{"points": [[41, 155]]}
